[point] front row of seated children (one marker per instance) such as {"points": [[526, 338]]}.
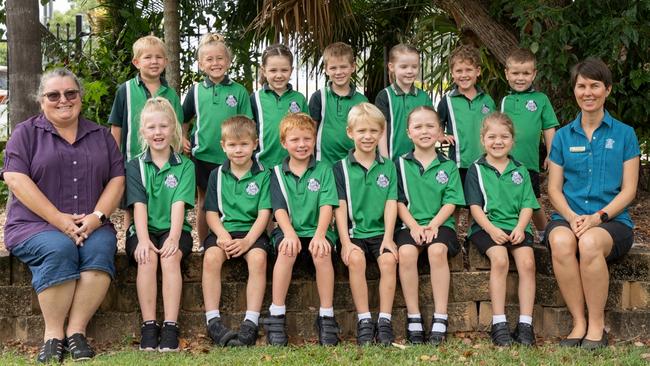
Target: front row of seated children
{"points": [[366, 194]]}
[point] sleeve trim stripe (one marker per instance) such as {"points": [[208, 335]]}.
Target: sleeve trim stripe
{"points": [[452, 119], [283, 189]]}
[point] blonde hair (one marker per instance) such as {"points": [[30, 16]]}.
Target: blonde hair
{"points": [[161, 105], [148, 42], [401, 48], [467, 53], [338, 49], [213, 39], [294, 121], [421, 109], [238, 128], [366, 112], [498, 118]]}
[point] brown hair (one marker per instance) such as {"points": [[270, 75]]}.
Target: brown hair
{"points": [[520, 56], [401, 48], [56, 73], [296, 121], [213, 39], [338, 49], [148, 42], [238, 128], [500, 118], [594, 69], [420, 109], [161, 105], [467, 53], [277, 49], [368, 112]]}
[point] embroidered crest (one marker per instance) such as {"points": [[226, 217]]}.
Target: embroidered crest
{"points": [[383, 181], [171, 181], [485, 109], [231, 101], [609, 144], [442, 177], [531, 105], [252, 189], [517, 178], [294, 107], [313, 185]]}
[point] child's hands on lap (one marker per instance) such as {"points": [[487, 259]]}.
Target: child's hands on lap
{"points": [[418, 234], [142, 251], [517, 236], [237, 247], [346, 250], [390, 246], [319, 246], [169, 247], [499, 236], [290, 245], [430, 233]]}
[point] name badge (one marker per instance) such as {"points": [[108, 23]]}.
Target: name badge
{"points": [[577, 149]]}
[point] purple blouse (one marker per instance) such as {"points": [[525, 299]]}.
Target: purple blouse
{"points": [[71, 176]]}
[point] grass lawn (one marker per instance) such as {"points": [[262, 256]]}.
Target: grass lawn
{"points": [[456, 352]]}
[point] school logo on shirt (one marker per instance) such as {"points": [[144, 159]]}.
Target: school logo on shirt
{"points": [[609, 144], [383, 181], [294, 107], [252, 189], [517, 178], [231, 101], [531, 105], [485, 109], [171, 181], [442, 177], [313, 185]]}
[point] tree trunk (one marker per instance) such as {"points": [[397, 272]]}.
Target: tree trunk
{"points": [[472, 15], [171, 25], [24, 58]]}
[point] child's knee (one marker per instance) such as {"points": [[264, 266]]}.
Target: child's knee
{"points": [[499, 262], [357, 261], [256, 260], [438, 252], [213, 259], [387, 263], [408, 254], [322, 262], [172, 262]]}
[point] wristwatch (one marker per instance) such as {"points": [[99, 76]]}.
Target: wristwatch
{"points": [[100, 215], [604, 217]]}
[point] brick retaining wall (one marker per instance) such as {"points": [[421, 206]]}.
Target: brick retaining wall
{"points": [[627, 314]]}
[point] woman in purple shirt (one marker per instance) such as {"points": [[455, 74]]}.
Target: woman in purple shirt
{"points": [[67, 176]]}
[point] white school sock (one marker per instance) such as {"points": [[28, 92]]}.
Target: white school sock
{"points": [[362, 316], [526, 319], [385, 316], [253, 316], [277, 310], [415, 326], [326, 312], [499, 319], [209, 315], [439, 327]]}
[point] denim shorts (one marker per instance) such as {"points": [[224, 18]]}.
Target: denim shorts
{"points": [[54, 258]]}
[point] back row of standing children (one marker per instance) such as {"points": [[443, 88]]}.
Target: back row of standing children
{"points": [[246, 171]]}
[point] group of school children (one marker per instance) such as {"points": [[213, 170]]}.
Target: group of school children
{"points": [[279, 176]]}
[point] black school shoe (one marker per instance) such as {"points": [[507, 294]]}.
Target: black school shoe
{"points": [[169, 337], [51, 350], [414, 336], [500, 334], [78, 346], [149, 334], [328, 331], [524, 334], [247, 335], [276, 335], [365, 331], [436, 338], [385, 335], [219, 333], [594, 345]]}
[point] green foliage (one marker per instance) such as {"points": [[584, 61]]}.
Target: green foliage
{"points": [[3, 53]]}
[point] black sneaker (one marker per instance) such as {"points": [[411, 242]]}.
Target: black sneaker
{"points": [[276, 335], [414, 336], [247, 335], [51, 350], [169, 337], [149, 333], [328, 331], [365, 331], [524, 334], [219, 333], [79, 348], [385, 335], [436, 338], [500, 334]]}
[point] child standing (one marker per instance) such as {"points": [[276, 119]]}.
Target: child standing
{"points": [[429, 190], [531, 113], [330, 106], [210, 102], [238, 208], [502, 201], [365, 219], [303, 194], [273, 101], [398, 99], [160, 188]]}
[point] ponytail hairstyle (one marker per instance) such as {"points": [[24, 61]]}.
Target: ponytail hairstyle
{"points": [[499, 118], [161, 105], [277, 49], [400, 48], [213, 39]]}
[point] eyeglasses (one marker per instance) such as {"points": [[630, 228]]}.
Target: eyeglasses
{"points": [[55, 96]]}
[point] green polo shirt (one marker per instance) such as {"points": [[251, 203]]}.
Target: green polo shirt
{"points": [[212, 104], [302, 197], [463, 118], [268, 110], [330, 111], [127, 106], [366, 193], [424, 190], [531, 112], [238, 201], [501, 196], [160, 188], [396, 105]]}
